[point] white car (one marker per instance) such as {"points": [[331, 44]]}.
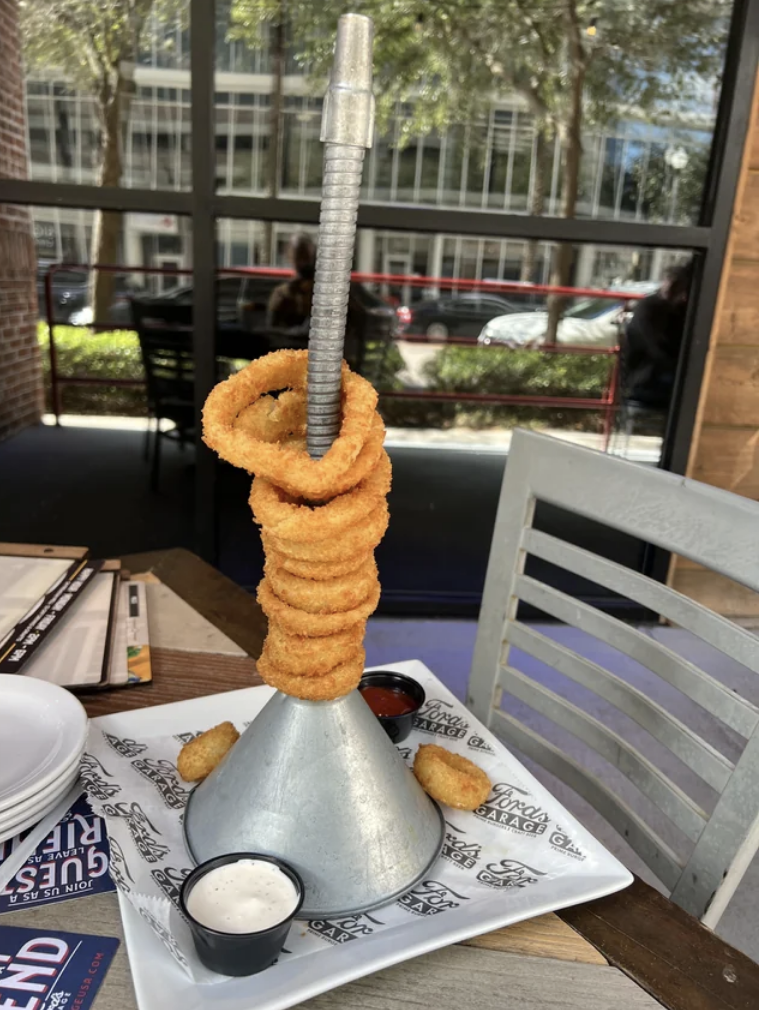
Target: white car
{"points": [[592, 322]]}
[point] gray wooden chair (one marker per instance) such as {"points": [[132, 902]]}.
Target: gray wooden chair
{"points": [[712, 527]]}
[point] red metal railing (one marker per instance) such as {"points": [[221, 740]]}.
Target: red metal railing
{"points": [[606, 404]]}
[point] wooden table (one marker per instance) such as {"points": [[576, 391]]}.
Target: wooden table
{"points": [[632, 950]]}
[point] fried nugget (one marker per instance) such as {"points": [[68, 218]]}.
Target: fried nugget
{"points": [[200, 756], [450, 778]]}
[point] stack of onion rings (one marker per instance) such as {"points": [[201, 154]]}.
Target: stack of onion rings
{"points": [[320, 519]]}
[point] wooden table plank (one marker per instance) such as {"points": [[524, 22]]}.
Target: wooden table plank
{"points": [[176, 676], [544, 936], [43, 551], [661, 948], [221, 601], [666, 951], [464, 978], [455, 978]]}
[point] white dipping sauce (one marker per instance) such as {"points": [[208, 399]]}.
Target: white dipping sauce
{"points": [[242, 897]]}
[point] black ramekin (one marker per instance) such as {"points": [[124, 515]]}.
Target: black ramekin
{"points": [[239, 953], [398, 727]]}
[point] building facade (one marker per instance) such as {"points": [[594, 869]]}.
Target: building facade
{"points": [[628, 171]]}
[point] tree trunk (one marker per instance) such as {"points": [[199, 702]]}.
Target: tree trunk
{"points": [[572, 150], [536, 202], [274, 160], [107, 224]]}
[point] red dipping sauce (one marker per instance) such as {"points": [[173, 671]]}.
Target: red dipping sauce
{"points": [[384, 701]]}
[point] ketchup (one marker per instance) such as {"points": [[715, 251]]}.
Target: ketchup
{"points": [[384, 701]]}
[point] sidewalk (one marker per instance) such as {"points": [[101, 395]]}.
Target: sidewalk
{"points": [[639, 448]]}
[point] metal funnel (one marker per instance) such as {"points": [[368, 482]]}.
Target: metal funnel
{"points": [[320, 785]]}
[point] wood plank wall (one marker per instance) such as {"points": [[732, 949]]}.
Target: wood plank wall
{"points": [[724, 450]]}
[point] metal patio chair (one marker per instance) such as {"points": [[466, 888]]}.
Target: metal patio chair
{"points": [[711, 527]]}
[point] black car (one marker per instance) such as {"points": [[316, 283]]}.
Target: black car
{"points": [[70, 294], [462, 315], [227, 291], [368, 316]]}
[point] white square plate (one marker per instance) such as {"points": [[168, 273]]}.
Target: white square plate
{"points": [[574, 868]]}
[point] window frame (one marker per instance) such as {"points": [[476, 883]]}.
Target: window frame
{"points": [[707, 239]]}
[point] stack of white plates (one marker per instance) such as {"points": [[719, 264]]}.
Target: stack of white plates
{"points": [[43, 732]]}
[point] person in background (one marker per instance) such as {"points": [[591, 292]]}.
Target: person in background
{"points": [[653, 341], [290, 303]]}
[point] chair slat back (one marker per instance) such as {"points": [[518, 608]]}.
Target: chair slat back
{"points": [[706, 525]]}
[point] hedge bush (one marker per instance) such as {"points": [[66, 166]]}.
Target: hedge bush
{"points": [[112, 355], [503, 370], [116, 354]]}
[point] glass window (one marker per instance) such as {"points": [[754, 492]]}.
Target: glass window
{"points": [[611, 171], [242, 163], [431, 153], [477, 156], [522, 163], [498, 165], [239, 256], [220, 146], [453, 158], [383, 165], [150, 133], [407, 171], [291, 151], [39, 146]]}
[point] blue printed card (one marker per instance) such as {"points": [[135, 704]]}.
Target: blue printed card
{"points": [[70, 862], [48, 970]]}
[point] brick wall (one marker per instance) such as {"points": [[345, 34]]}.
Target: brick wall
{"points": [[724, 450], [20, 370]]}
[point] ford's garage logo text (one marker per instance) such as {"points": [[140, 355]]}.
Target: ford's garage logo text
{"points": [[438, 717], [431, 898], [509, 873], [510, 807]]}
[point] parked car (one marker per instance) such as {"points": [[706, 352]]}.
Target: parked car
{"points": [[591, 322], [227, 289], [70, 291], [459, 315], [368, 315]]}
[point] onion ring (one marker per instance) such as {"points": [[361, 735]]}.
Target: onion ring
{"points": [[450, 778], [311, 657], [364, 463], [332, 596], [274, 509], [275, 419], [286, 465], [316, 570], [357, 540], [298, 622], [339, 681], [320, 519]]}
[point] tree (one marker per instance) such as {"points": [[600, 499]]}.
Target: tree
{"points": [[666, 195], [574, 62], [91, 41]]}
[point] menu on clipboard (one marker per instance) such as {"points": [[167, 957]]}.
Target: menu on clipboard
{"points": [[72, 621], [77, 650], [30, 575]]}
